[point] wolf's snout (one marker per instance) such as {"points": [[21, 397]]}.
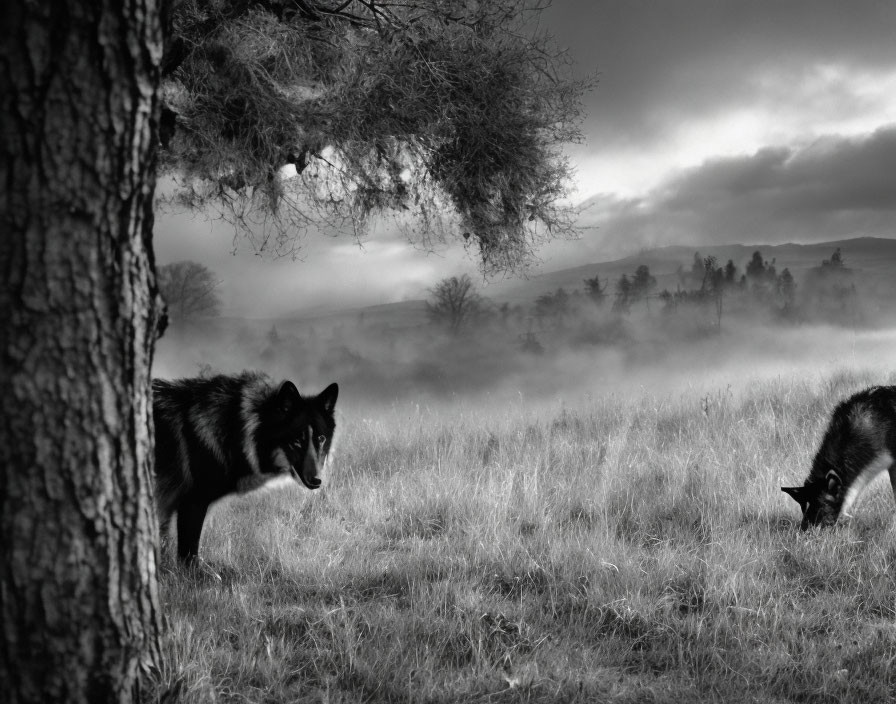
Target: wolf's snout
{"points": [[313, 483], [311, 463]]}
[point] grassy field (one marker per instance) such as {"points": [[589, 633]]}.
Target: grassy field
{"points": [[625, 548]]}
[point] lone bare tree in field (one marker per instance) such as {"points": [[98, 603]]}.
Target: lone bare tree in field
{"points": [[455, 303], [190, 290], [454, 110]]}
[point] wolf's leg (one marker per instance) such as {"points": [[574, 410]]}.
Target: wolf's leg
{"points": [[190, 517], [892, 471], [164, 534]]}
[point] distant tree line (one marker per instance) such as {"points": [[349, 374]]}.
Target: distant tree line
{"points": [[707, 291]]}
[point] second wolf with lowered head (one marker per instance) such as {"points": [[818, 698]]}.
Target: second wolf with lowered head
{"points": [[859, 444], [231, 434]]}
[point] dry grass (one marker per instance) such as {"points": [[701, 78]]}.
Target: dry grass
{"points": [[629, 549]]}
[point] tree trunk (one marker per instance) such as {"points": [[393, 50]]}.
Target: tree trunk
{"points": [[79, 617]]}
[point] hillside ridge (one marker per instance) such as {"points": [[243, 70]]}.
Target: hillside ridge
{"points": [[875, 256]]}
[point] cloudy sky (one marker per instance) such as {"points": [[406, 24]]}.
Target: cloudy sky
{"points": [[713, 121]]}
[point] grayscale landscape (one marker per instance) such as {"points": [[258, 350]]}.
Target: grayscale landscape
{"points": [[570, 492], [448, 351]]}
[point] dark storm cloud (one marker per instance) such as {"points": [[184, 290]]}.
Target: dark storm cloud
{"points": [[830, 189], [832, 175], [664, 62]]}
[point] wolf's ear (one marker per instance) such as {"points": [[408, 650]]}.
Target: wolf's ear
{"points": [[327, 397], [288, 397], [833, 483], [798, 493]]}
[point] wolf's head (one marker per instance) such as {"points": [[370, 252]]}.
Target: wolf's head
{"points": [[300, 432], [820, 499]]}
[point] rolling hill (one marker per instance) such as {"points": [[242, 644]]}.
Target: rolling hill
{"points": [[872, 260]]}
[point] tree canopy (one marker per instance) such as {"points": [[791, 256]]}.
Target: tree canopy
{"points": [[294, 113]]}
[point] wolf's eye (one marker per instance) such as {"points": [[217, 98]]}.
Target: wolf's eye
{"points": [[321, 439]]}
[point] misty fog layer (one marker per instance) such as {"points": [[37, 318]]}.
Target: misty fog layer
{"points": [[414, 365], [616, 328]]}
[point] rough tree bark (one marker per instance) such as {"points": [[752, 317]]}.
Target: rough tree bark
{"points": [[79, 615]]}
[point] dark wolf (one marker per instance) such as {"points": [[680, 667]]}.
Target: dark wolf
{"points": [[859, 444], [232, 434]]}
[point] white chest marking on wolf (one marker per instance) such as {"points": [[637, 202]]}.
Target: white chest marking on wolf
{"points": [[879, 464], [281, 481], [265, 482]]}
